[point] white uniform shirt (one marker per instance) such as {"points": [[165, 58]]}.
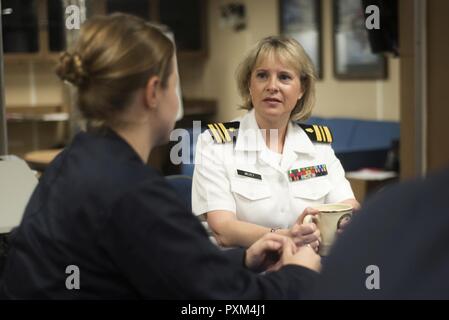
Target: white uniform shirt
{"points": [[262, 193]]}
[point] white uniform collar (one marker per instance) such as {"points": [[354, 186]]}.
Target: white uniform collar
{"points": [[250, 138], [297, 140]]}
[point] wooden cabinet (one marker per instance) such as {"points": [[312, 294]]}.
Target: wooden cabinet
{"points": [[34, 29], [186, 18], [20, 26], [141, 8], [21, 34], [55, 25]]}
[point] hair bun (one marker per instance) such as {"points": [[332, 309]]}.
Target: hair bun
{"points": [[71, 69]]}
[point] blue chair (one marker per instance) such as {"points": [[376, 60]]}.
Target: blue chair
{"points": [[187, 168], [182, 185]]}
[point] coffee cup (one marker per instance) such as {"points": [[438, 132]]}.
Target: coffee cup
{"points": [[329, 220]]}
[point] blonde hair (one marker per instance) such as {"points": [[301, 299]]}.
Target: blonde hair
{"points": [[290, 52], [113, 57]]}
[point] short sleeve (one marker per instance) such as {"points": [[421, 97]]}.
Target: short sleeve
{"points": [[341, 188], [211, 188]]}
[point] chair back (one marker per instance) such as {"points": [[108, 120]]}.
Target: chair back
{"points": [[183, 187]]}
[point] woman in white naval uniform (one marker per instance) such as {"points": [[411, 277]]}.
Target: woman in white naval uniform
{"points": [[264, 172]]}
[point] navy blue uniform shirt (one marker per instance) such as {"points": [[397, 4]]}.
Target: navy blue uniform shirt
{"points": [[100, 208], [395, 248]]}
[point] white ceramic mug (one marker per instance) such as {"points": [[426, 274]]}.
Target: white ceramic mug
{"points": [[329, 220]]}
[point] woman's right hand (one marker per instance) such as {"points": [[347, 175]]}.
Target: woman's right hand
{"points": [[305, 233]]}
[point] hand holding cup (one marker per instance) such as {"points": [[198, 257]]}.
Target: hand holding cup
{"points": [[331, 220]]}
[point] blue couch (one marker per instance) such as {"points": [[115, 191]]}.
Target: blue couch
{"points": [[361, 143]]}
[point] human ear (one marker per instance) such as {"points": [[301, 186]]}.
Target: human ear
{"points": [[151, 92], [301, 94]]}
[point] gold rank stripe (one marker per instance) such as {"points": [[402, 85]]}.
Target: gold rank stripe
{"points": [[328, 134], [214, 133], [322, 133], [220, 132], [317, 133], [225, 132]]}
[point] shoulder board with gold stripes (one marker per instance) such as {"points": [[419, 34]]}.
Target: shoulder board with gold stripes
{"points": [[224, 132], [317, 133]]}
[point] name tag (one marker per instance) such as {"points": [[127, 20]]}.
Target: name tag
{"points": [[249, 174], [307, 172]]}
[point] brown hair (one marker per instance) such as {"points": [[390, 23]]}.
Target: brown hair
{"points": [[292, 53], [113, 57]]}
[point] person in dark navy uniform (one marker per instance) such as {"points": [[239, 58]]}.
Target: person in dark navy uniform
{"points": [[101, 215], [395, 248]]}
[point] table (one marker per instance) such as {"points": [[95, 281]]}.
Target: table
{"points": [[36, 117], [40, 159], [367, 181]]}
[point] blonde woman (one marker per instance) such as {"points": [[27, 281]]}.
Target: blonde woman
{"points": [[263, 172]]}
